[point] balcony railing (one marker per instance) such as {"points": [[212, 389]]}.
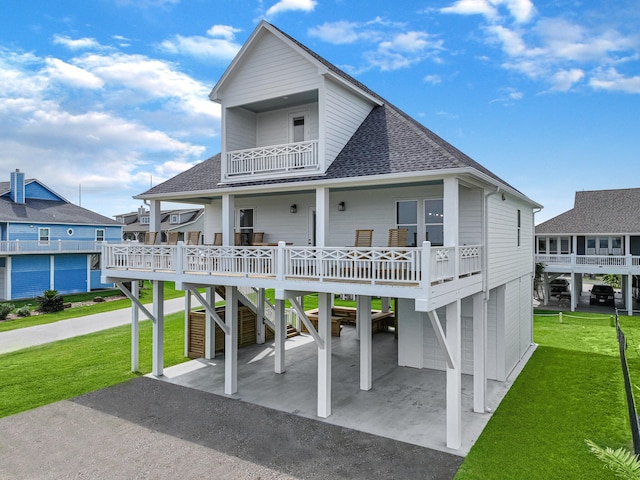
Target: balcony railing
{"points": [[615, 262], [376, 265], [286, 158], [50, 246]]}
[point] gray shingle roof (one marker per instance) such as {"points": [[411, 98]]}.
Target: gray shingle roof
{"points": [[598, 211], [388, 141], [49, 211]]}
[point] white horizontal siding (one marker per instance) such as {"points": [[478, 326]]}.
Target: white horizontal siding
{"points": [[240, 129], [470, 220], [492, 337], [507, 261], [269, 69], [344, 112], [273, 127], [512, 324], [432, 352]]}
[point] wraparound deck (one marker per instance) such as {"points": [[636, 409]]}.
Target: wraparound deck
{"points": [[621, 264], [417, 273]]}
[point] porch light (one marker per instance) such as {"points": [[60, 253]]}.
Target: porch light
{"points": [[293, 208], [341, 207]]}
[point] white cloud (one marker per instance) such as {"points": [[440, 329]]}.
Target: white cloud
{"points": [[564, 80], [519, 10], [290, 5], [433, 79], [472, 7], [336, 32], [71, 75], [219, 45], [77, 44], [611, 79], [404, 50]]}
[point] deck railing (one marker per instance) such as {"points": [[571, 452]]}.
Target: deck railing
{"points": [[621, 262], [287, 157], [57, 246], [375, 265]]}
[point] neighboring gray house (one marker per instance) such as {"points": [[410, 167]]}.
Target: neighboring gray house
{"points": [[136, 224], [311, 158], [599, 235]]}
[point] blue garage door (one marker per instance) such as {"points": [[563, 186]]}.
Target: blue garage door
{"points": [[70, 273], [29, 275]]}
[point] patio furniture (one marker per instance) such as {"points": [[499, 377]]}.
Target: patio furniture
{"points": [[257, 237], [172, 238], [150, 238], [193, 237], [363, 238], [398, 237], [217, 238]]}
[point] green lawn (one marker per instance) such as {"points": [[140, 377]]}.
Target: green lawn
{"points": [[41, 375], [571, 390], [145, 297]]}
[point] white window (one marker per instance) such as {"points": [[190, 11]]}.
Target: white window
{"points": [[434, 221], [542, 245], [144, 220], [100, 235], [175, 219], [407, 217], [44, 234]]}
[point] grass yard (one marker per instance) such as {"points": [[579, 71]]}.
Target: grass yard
{"points": [[65, 369], [145, 296], [571, 390]]}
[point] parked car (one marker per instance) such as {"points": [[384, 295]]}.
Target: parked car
{"points": [[558, 286], [602, 295]]}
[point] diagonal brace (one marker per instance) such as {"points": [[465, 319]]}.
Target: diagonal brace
{"points": [[135, 300], [437, 327], [211, 310], [307, 323]]}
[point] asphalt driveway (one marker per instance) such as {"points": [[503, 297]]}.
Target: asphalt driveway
{"points": [[149, 429]]}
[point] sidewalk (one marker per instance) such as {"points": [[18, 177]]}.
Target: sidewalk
{"points": [[30, 336]]}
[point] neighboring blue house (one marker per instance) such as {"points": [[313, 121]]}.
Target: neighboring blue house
{"points": [[48, 243]]}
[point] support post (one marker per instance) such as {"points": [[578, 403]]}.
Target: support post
{"points": [[231, 341], [479, 353], [324, 355], [281, 335], [187, 309], [261, 334], [135, 331], [454, 377], [157, 335], [363, 315], [209, 326]]}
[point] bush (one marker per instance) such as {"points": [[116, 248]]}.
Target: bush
{"points": [[5, 309], [23, 311], [50, 302]]}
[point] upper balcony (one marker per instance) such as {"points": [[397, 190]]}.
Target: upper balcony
{"points": [[419, 273], [273, 160], [28, 247], [567, 262]]}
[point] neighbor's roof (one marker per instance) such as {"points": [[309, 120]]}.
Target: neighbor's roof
{"points": [[388, 142], [598, 211], [49, 211]]}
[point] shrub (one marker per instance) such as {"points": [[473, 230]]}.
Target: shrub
{"points": [[50, 302], [5, 309], [24, 311]]}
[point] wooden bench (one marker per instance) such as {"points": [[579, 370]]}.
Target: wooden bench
{"points": [[380, 321]]}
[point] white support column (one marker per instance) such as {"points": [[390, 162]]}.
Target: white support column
{"points": [[324, 355], [261, 330], [454, 377], [450, 211], [157, 335], [187, 309], [231, 341], [209, 326], [363, 318], [155, 217], [228, 211], [322, 216], [629, 292], [135, 332], [281, 336], [479, 353]]}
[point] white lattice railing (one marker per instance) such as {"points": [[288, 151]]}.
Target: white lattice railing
{"points": [[273, 159], [36, 246], [605, 261], [375, 265]]}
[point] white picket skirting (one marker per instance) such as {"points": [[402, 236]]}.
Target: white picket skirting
{"points": [[375, 265]]}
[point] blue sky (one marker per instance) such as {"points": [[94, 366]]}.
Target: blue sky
{"points": [[102, 98]]}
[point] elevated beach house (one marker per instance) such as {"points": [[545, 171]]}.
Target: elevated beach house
{"points": [[600, 235], [322, 188], [48, 243]]}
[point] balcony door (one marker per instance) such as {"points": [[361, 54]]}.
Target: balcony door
{"points": [[298, 126]]}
